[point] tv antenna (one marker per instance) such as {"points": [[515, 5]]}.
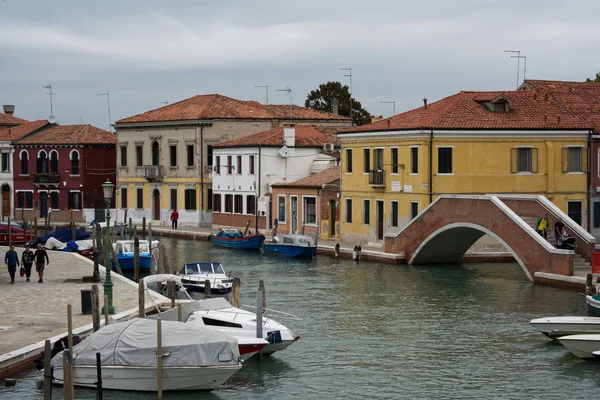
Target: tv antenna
{"points": [[289, 92], [390, 102], [108, 103], [349, 74], [267, 90], [51, 94], [164, 103], [518, 57]]}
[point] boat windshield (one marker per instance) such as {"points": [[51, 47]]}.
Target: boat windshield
{"points": [[218, 268], [206, 268]]}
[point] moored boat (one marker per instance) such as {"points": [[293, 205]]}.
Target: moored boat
{"points": [[17, 234], [124, 252], [291, 245], [554, 327], [593, 304], [583, 346], [234, 239], [195, 275]]}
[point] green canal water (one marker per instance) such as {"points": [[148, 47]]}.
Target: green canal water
{"points": [[379, 331]]}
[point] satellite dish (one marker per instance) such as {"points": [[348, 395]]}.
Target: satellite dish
{"points": [[51, 119], [283, 152]]}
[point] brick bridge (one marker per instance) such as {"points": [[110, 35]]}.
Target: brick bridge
{"points": [[450, 225]]}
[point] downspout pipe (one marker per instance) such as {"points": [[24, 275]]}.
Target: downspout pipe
{"points": [[589, 183], [201, 169], [431, 166], [258, 191]]}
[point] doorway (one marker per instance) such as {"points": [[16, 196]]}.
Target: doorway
{"points": [[156, 205], [379, 216], [294, 214], [43, 204], [332, 219], [5, 201], [574, 210]]}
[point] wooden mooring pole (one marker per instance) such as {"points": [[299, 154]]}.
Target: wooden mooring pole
{"points": [[261, 289], [179, 313], [144, 226], [235, 292], [136, 258], [47, 370], [68, 387], [95, 308], [99, 377], [159, 371], [105, 308], [207, 289], [9, 233], [141, 299]]}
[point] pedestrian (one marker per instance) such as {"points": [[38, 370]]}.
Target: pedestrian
{"points": [[558, 231], [542, 226], [174, 218], [27, 261], [11, 259], [40, 257]]}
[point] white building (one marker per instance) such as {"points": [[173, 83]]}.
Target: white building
{"points": [[244, 170]]}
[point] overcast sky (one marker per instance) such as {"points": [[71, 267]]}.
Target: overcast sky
{"points": [[145, 52]]}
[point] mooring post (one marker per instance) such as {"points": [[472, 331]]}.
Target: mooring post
{"points": [[159, 356], [35, 226], [73, 237], [144, 226], [141, 299], [99, 377], [207, 289], [9, 233], [171, 290], [131, 228], [105, 308], [136, 258], [336, 251], [589, 285], [316, 241], [47, 370], [179, 313], [259, 314], [261, 289], [235, 292], [95, 308], [149, 233], [68, 390]]}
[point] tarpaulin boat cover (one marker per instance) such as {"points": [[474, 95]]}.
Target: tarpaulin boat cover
{"points": [[64, 235], [133, 343], [217, 303]]}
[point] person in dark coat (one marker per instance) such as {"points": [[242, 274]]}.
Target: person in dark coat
{"points": [[11, 259], [27, 261], [41, 258]]}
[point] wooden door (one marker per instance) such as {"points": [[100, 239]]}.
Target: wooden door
{"points": [[5, 201], [156, 204], [332, 219], [379, 213], [294, 214]]}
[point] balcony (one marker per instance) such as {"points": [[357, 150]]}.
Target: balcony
{"points": [[153, 173], [46, 178], [377, 178]]}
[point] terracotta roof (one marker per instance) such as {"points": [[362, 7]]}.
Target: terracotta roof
{"points": [[317, 180], [467, 110], [6, 119], [68, 134], [216, 106], [306, 136], [17, 132]]}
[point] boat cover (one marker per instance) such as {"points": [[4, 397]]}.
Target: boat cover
{"points": [[218, 303], [133, 343], [64, 235]]}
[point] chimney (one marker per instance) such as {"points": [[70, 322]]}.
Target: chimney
{"points": [[335, 106], [425, 102], [9, 109], [289, 135]]}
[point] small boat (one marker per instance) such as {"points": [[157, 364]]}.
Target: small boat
{"points": [[554, 327], [193, 358], [593, 304], [583, 346], [234, 239], [17, 234], [194, 275], [124, 252], [289, 245]]}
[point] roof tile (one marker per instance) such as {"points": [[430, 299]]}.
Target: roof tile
{"points": [[319, 179], [306, 136], [6, 119], [68, 134]]}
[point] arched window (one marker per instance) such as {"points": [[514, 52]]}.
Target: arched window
{"points": [[42, 162], [53, 162], [24, 156], [74, 162], [155, 153]]}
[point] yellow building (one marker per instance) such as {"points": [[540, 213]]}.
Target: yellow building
{"points": [[469, 143]]}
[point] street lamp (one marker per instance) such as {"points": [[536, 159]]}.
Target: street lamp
{"points": [[107, 189]]}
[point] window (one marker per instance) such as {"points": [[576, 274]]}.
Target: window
{"points": [[229, 165], [596, 214], [74, 162], [574, 159], [414, 209], [378, 159], [217, 165], [190, 199], [349, 161], [395, 161], [239, 165], [123, 150], [524, 159], [444, 160], [140, 198], [173, 155], [251, 164], [139, 159], [74, 201], [251, 205], [238, 204], [42, 163], [310, 210], [53, 162], [190, 155], [349, 211], [366, 212], [217, 202], [24, 199], [173, 193], [5, 164], [394, 212], [155, 153], [414, 160], [123, 197], [228, 203], [54, 201], [209, 199], [21, 200], [209, 155], [24, 163], [574, 210], [281, 209], [367, 160]]}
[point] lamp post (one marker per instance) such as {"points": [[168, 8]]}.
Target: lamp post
{"points": [[107, 189]]}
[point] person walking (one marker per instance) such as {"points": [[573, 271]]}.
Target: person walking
{"points": [[558, 231], [41, 258], [27, 261], [174, 218], [11, 259], [542, 226]]}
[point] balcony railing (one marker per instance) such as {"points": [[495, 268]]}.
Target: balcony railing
{"points": [[153, 172], [46, 178], [377, 178]]}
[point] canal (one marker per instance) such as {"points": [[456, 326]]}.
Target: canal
{"points": [[373, 330]]}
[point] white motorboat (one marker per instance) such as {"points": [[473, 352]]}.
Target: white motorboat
{"points": [[554, 327], [219, 314], [593, 304], [193, 358], [194, 276], [583, 346]]}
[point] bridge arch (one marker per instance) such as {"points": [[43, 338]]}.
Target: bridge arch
{"points": [[449, 244]]}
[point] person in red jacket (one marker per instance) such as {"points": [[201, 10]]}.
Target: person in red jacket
{"points": [[174, 218]]}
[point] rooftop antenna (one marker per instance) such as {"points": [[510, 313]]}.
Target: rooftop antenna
{"points": [[164, 103], [267, 89], [289, 92], [80, 121], [108, 103], [349, 74], [51, 94], [518, 57], [390, 102]]}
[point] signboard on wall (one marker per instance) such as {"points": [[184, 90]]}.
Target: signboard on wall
{"points": [[408, 188], [396, 186]]}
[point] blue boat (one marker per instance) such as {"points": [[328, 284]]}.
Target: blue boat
{"points": [[124, 252], [234, 239], [195, 275], [296, 246]]}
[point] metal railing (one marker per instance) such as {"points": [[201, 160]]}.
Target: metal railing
{"points": [[153, 172], [377, 178], [46, 178]]}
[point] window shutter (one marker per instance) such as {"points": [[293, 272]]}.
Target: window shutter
{"points": [[584, 159], [565, 159], [514, 155], [534, 160]]}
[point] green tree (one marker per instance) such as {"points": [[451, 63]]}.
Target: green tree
{"points": [[323, 97], [596, 79]]}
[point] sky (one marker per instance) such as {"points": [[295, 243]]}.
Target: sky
{"points": [[146, 52]]}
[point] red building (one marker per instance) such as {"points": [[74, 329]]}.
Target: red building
{"points": [[62, 167]]}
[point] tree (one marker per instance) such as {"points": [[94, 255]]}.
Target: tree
{"points": [[322, 99], [596, 79]]}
